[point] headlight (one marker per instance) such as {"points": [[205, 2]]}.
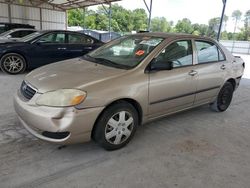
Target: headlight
{"points": [[61, 98]]}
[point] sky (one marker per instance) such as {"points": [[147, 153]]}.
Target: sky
{"points": [[198, 11]]}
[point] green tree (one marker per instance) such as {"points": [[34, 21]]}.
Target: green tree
{"points": [[124, 20], [200, 29], [236, 16], [224, 35], [247, 26], [75, 17], [139, 19], [90, 21], [184, 26], [160, 24], [213, 27], [121, 17], [225, 20]]}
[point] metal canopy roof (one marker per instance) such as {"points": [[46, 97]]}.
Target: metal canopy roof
{"points": [[71, 4]]}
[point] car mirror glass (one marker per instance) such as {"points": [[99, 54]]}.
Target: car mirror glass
{"points": [[161, 65]]}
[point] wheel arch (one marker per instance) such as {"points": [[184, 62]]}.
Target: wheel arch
{"points": [[133, 102], [233, 82]]}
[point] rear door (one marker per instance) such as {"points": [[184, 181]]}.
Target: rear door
{"points": [[173, 90], [211, 68], [78, 45]]}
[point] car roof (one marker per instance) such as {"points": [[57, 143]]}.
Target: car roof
{"points": [[7, 23], [172, 35], [22, 29], [50, 31], [59, 30]]}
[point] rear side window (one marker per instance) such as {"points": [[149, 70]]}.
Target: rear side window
{"points": [[25, 32], [16, 34], [79, 39], [208, 52]]}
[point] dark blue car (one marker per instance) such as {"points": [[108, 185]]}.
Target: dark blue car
{"points": [[44, 47]]}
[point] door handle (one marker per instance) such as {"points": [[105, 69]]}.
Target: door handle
{"points": [[88, 48], [192, 73], [223, 67], [61, 48]]}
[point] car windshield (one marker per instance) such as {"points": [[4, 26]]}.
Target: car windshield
{"points": [[2, 28], [126, 52], [31, 36]]}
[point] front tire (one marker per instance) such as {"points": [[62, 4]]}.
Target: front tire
{"points": [[224, 98], [116, 126], [13, 63]]}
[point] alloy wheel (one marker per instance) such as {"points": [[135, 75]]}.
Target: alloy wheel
{"points": [[13, 64]]}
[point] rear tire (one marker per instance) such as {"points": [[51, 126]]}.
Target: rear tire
{"points": [[13, 63], [223, 99], [116, 126]]}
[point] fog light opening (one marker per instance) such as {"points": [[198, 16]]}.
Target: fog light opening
{"points": [[55, 135]]}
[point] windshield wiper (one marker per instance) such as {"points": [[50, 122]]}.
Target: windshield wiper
{"points": [[111, 63], [89, 58], [104, 61]]}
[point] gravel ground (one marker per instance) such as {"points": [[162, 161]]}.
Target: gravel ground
{"points": [[197, 148]]}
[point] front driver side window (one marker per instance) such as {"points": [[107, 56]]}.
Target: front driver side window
{"points": [[179, 53]]}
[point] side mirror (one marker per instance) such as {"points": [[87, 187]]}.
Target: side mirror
{"points": [[8, 36], [161, 65], [38, 43]]}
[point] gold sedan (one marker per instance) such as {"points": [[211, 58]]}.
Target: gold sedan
{"points": [[107, 93]]}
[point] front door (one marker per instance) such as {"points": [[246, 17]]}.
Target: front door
{"points": [[173, 90], [49, 48]]}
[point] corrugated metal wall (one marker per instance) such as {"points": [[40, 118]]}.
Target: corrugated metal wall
{"points": [[53, 19], [41, 18], [3, 12]]}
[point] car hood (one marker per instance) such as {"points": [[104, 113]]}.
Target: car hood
{"points": [[74, 73], [6, 40]]}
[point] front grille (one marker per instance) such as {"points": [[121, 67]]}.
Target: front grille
{"points": [[27, 91]]}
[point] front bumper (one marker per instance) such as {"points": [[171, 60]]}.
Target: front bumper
{"points": [[59, 125]]}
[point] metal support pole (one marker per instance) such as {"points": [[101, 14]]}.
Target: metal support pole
{"points": [[9, 13], [149, 8], [41, 19], [249, 49], [221, 18], [110, 14], [83, 17], [66, 20]]}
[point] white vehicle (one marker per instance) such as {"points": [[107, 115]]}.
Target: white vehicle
{"points": [[15, 34]]}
